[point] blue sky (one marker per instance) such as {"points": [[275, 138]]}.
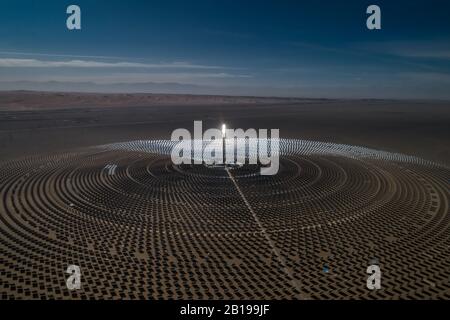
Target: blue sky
{"points": [[281, 48]]}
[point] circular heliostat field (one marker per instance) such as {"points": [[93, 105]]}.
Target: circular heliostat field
{"points": [[139, 226]]}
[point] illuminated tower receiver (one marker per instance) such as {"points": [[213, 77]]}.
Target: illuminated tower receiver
{"points": [[224, 131]]}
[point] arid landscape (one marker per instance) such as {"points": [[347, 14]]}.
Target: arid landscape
{"points": [[225, 159], [36, 122], [84, 181]]}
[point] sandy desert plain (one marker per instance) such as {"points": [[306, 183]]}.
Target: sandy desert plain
{"points": [[159, 231]]}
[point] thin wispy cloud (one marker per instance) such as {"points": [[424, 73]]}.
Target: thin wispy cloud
{"points": [[430, 77], [35, 63], [157, 77], [56, 55], [427, 53], [381, 52], [436, 49]]}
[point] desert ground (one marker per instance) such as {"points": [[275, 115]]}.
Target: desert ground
{"points": [[141, 227], [38, 122]]}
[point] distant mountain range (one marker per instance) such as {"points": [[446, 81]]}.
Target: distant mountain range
{"points": [[36, 100], [164, 87], [167, 87], [313, 92]]}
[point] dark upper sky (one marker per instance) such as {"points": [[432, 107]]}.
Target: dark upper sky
{"points": [[287, 48]]}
